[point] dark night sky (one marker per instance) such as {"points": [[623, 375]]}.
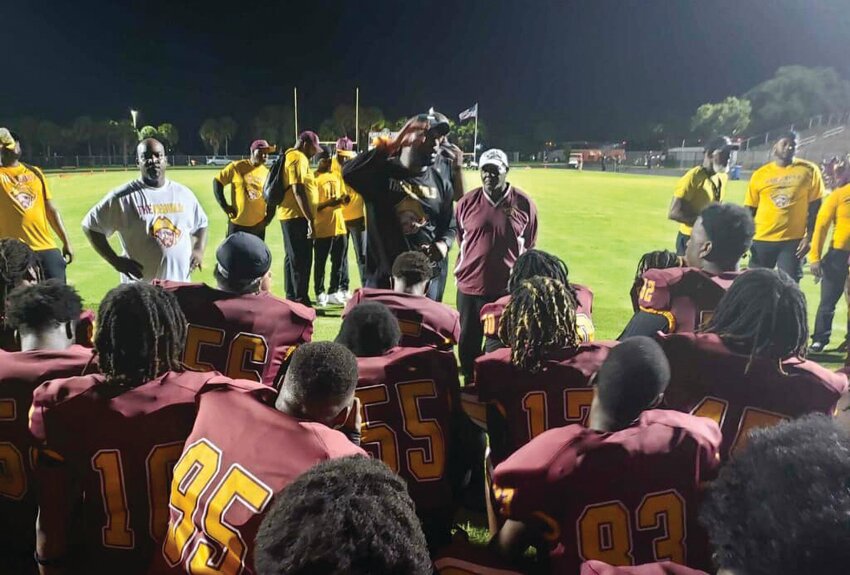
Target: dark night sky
{"points": [[592, 69]]}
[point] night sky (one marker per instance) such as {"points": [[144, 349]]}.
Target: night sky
{"points": [[593, 69]]}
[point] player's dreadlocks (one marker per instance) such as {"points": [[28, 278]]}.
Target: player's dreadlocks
{"points": [[17, 263], [538, 263], [141, 334], [763, 314], [540, 317], [657, 260]]}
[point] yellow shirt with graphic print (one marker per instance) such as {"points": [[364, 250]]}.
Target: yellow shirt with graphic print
{"points": [[23, 212]]}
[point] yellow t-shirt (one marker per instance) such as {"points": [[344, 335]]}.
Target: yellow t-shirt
{"points": [[329, 221], [835, 210], [699, 189], [297, 170], [23, 212], [353, 210], [246, 190], [782, 197]]}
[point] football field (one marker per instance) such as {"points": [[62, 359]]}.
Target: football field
{"points": [[599, 223]]}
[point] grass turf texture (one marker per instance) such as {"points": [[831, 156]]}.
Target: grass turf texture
{"points": [[599, 223]]}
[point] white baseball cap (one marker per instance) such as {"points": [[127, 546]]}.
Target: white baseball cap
{"points": [[494, 157]]}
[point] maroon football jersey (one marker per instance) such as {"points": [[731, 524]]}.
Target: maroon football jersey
{"points": [[408, 399], [625, 498], [708, 379], [121, 445], [423, 322], [686, 297], [248, 336], [491, 314], [20, 373], [559, 394], [227, 476], [663, 568]]}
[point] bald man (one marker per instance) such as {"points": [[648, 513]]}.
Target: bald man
{"points": [[160, 224]]}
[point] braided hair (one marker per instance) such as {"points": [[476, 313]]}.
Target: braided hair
{"points": [[17, 263], [540, 317], [141, 334], [537, 263], [657, 260], [763, 314]]}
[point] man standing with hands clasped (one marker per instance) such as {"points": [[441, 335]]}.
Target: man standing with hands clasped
{"points": [[247, 208], [160, 224], [496, 224]]}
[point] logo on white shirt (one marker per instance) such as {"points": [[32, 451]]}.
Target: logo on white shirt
{"points": [[165, 232]]}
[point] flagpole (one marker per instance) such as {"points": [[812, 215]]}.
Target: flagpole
{"points": [[475, 137]]}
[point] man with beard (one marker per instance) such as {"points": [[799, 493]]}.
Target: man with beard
{"points": [[784, 197], [408, 202], [700, 187], [161, 225]]}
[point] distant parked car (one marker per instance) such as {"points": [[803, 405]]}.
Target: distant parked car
{"points": [[217, 161]]}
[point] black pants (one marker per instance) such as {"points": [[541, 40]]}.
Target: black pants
{"points": [[834, 268], [259, 230], [437, 287], [681, 243], [357, 237], [780, 255], [299, 259], [52, 264], [322, 247], [471, 330]]}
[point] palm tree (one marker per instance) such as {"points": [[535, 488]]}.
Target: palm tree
{"points": [[211, 134], [228, 128]]}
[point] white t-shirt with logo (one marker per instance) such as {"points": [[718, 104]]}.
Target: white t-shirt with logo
{"points": [[154, 226]]}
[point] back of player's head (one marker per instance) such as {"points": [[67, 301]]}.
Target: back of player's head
{"points": [[18, 263], [412, 269], [763, 314], [43, 306], [320, 380], [349, 515], [370, 329], [141, 333], [781, 506], [631, 379], [730, 229], [538, 263], [540, 318], [657, 260]]}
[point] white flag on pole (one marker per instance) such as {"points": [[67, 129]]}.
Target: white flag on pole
{"points": [[469, 113]]}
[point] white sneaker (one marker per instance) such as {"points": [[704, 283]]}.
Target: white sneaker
{"points": [[322, 299], [348, 295], [337, 298]]}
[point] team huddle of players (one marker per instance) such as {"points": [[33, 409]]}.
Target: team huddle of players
{"points": [[199, 429]]}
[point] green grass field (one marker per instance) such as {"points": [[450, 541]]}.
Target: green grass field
{"points": [[599, 223]]}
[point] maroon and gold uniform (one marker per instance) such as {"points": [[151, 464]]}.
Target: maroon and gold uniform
{"points": [[409, 398], [531, 403], [709, 380], [491, 315], [684, 297], [249, 336], [423, 322], [663, 568], [20, 373], [120, 446], [227, 475], [627, 497]]}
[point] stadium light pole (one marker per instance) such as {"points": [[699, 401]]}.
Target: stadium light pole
{"points": [[295, 101], [134, 115]]}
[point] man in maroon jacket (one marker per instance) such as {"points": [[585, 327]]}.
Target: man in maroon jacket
{"points": [[496, 223], [633, 477], [240, 329], [108, 443], [231, 471], [423, 321], [43, 314]]}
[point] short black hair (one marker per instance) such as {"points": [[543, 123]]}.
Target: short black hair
{"points": [[633, 375], [321, 373], [324, 153], [413, 267], [43, 305], [762, 314], [141, 333], [348, 515], [730, 228], [789, 135], [537, 263], [370, 329], [781, 506]]}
